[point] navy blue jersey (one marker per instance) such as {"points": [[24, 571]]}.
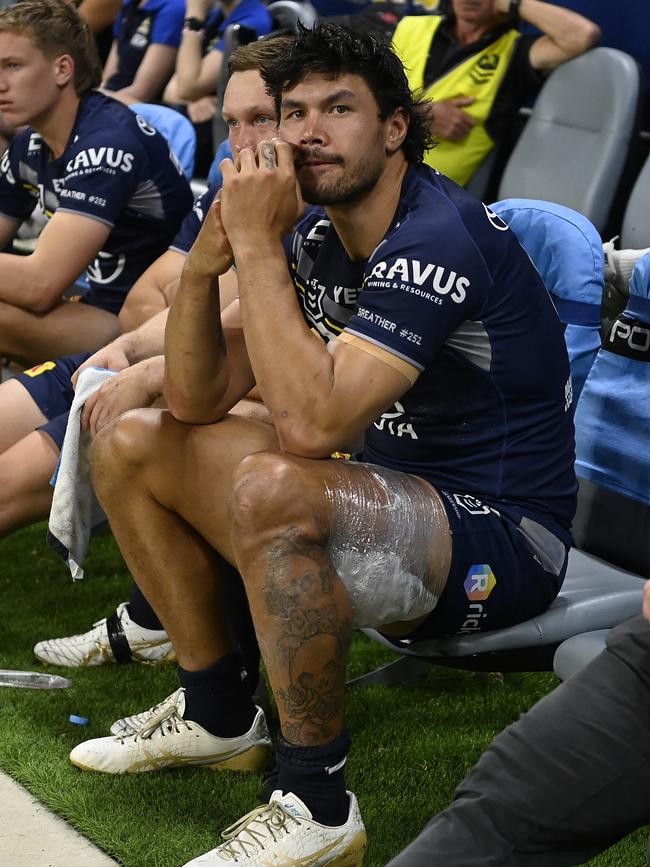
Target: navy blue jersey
{"points": [[115, 169], [450, 291], [137, 26], [187, 233], [248, 13]]}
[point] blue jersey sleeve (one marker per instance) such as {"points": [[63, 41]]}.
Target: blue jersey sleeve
{"points": [[102, 174], [248, 13], [168, 24], [187, 233], [417, 291], [18, 196]]}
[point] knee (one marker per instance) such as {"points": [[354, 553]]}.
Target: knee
{"points": [[270, 496], [121, 449]]}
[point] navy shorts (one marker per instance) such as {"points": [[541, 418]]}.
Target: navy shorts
{"points": [[50, 387], [504, 569]]}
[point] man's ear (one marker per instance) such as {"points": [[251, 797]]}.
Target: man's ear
{"points": [[63, 69], [396, 128]]}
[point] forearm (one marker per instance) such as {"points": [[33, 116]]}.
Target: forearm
{"points": [[146, 341], [153, 375], [99, 13], [571, 32], [188, 65], [26, 286], [295, 380], [196, 372]]}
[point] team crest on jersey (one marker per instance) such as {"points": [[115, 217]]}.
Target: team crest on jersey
{"points": [[484, 68], [105, 268], [314, 294]]}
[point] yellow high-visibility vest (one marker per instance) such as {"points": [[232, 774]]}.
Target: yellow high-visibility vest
{"points": [[479, 76]]}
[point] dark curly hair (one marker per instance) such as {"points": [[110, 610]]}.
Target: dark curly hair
{"points": [[332, 50]]}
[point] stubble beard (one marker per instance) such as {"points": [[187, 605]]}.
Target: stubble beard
{"points": [[352, 185]]}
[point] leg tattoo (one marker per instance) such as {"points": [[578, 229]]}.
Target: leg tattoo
{"points": [[302, 590]]}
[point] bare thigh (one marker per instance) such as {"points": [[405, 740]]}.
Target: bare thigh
{"points": [[69, 328], [25, 472], [187, 468], [19, 414]]}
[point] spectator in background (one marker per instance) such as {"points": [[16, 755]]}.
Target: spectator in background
{"points": [[478, 70], [106, 181], [143, 54], [200, 58], [99, 14]]}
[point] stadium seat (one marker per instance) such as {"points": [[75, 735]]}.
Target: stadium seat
{"points": [[635, 233], [603, 586], [175, 127], [567, 250], [288, 14], [574, 653], [576, 140]]}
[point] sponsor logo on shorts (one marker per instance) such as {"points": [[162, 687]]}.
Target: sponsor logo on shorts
{"points": [[480, 582], [40, 368], [472, 505]]}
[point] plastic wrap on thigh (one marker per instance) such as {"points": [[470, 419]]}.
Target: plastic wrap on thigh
{"points": [[383, 534]]}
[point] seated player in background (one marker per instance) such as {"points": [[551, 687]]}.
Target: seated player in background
{"points": [[200, 58], [141, 61], [107, 181]]}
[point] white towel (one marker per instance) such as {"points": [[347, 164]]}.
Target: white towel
{"points": [[75, 509]]}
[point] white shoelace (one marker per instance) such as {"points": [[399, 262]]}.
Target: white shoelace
{"points": [[243, 839], [164, 718]]}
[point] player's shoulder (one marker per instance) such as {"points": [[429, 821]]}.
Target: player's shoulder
{"points": [[109, 135], [436, 214], [27, 144], [101, 116]]}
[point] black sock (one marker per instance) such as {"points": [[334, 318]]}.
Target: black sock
{"points": [[316, 775], [241, 623], [141, 612], [217, 698]]}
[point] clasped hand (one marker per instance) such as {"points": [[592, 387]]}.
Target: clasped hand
{"points": [[260, 196]]}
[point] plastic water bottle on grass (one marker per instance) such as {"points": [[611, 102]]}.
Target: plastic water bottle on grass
{"points": [[32, 680]]}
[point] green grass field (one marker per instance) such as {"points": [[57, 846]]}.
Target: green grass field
{"points": [[411, 745]]}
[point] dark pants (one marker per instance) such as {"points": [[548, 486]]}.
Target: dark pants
{"points": [[562, 784]]}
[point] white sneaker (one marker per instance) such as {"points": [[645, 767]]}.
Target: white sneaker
{"points": [[130, 725], [283, 832], [167, 740], [128, 642]]}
